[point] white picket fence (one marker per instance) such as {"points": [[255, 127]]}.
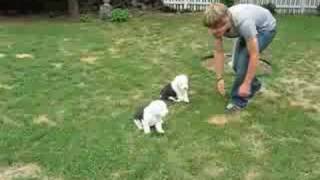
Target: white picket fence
{"points": [[283, 6], [289, 6], [193, 5]]}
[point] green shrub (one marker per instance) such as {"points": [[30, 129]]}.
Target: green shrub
{"points": [[84, 18], [318, 10], [119, 15], [228, 2], [271, 7]]}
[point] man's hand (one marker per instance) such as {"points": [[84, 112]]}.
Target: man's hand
{"points": [[244, 90], [220, 87]]}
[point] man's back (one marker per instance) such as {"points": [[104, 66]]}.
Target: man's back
{"points": [[248, 16]]}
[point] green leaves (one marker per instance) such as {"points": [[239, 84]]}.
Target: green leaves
{"points": [[228, 2], [271, 7], [119, 15]]}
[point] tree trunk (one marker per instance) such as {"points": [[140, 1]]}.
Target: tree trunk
{"points": [[73, 6]]}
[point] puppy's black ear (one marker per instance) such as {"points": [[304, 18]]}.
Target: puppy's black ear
{"points": [[165, 92]]}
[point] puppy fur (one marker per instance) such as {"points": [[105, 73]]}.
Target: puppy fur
{"points": [[151, 115], [176, 90]]}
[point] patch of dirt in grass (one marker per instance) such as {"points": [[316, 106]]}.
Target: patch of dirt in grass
{"points": [[298, 80], [218, 120], [192, 92], [253, 141], [283, 140], [292, 44], [269, 93], [227, 143], [20, 171], [168, 51], [57, 65], [119, 174], [221, 119], [295, 82], [115, 52], [164, 50], [24, 56], [44, 120], [252, 174], [2, 55], [264, 69], [5, 86], [305, 104], [108, 98], [81, 85], [121, 103], [213, 170], [66, 53], [187, 30], [89, 59], [24, 171], [120, 41], [145, 67], [137, 96], [9, 121], [302, 93], [208, 64], [195, 46], [155, 60]]}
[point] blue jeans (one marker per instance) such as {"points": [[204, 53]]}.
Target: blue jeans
{"points": [[240, 66]]}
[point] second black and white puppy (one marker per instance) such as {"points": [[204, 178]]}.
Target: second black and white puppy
{"points": [[151, 115], [176, 90]]}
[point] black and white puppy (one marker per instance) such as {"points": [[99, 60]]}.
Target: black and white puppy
{"points": [[151, 115], [176, 90]]}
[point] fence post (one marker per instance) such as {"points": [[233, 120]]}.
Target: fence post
{"points": [[185, 5], [303, 4]]}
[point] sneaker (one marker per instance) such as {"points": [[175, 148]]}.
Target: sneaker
{"points": [[232, 109]]}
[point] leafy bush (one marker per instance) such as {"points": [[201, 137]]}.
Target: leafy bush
{"points": [[84, 18], [271, 7], [228, 2], [119, 15]]}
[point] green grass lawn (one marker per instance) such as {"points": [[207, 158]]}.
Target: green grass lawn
{"points": [[68, 92]]}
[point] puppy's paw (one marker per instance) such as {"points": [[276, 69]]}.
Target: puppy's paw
{"points": [[146, 130], [187, 100], [161, 132], [173, 99], [138, 124]]}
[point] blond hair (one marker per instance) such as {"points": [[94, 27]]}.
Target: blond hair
{"points": [[213, 13]]}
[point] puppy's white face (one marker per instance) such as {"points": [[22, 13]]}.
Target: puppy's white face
{"points": [[182, 82], [181, 86]]}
